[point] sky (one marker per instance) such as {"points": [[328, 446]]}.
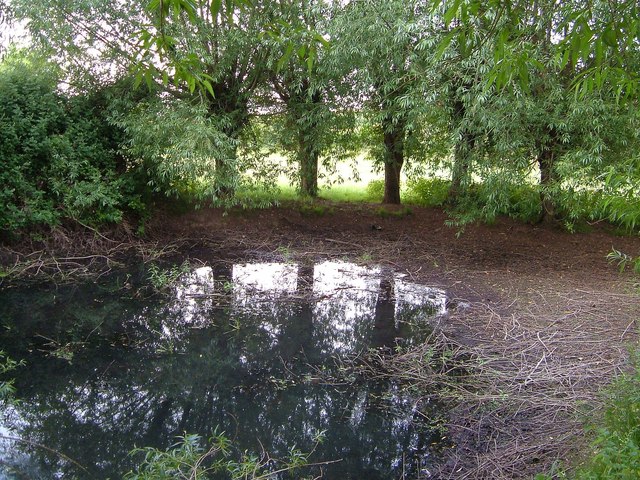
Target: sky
{"points": [[13, 32]]}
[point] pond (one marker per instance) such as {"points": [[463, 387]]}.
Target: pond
{"points": [[260, 351]]}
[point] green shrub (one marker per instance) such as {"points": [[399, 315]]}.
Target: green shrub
{"points": [[375, 191], [524, 203], [60, 156], [624, 260], [428, 192], [498, 196], [623, 211], [617, 442]]}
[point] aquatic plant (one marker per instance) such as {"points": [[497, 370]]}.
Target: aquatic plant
{"points": [[188, 459], [163, 278], [6, 387]]}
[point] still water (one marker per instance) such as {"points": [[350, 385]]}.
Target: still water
{"points": [[253, 350]]}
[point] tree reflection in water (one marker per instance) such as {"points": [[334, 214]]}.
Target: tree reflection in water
{"points": [[234, 349]]}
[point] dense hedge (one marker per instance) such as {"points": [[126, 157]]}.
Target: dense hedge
{"points": [[60, 156]]}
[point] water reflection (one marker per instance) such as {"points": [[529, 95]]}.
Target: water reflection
{"points": [[238, 348]]}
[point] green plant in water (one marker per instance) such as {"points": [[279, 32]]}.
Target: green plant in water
{"points": [[227, 286], [167, 347], [234, 325], [188, 459], [286, 253], [6, 386], [162, 279]]}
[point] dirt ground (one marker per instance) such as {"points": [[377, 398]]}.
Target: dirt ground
{"points": [[487, 263], [548, 319]]}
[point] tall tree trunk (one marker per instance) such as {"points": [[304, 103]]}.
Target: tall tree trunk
{"points": [[461, 156], [393, 159], [547, 179], [234, 107], [308, 163], [308, 152], [225, 172], [460, 173]]}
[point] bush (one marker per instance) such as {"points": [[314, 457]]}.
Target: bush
{"points": [[375, 191], [60, 156], [523, 203], [623, 211], [428, 192], [617, 443]]}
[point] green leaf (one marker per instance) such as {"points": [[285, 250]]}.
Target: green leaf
{"points": [[208, 87], [610, 38], [599, 51], [323, 41], [190, 7], [451, 12], [153, 5], [148, 78], [523, 74], [285, 57], [215, 7], [444, 44], [137, 80], [302, 51]]}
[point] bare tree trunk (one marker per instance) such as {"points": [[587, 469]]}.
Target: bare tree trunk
{"points": [[308, 152], [308, 163], [460, 173], [461, 156], [547, 179], [393, 159]]}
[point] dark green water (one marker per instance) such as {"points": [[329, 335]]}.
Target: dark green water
{"points": [[246, 349]]}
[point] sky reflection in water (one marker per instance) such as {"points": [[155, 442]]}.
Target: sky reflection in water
{"points": [[242, 348]]}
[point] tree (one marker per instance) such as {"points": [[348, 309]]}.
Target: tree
{"points": [[300, 84], [513, 104], [3, 22], [99, 41], [378, 40], [600, 35], [293, 76]]}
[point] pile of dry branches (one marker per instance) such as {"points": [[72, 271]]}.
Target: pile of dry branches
{"points": [[74, 254], [520, 389]]}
